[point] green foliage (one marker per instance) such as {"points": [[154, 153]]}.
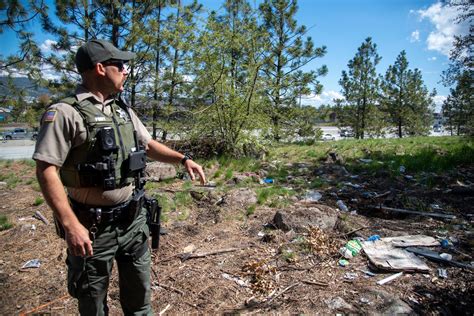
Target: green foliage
{"points": [[406, 98], [4, 223], [416, 154], [287, 53], [360, 87], [38, 201], [11, 179], [251, 210], [458, 108], [266, 195]]}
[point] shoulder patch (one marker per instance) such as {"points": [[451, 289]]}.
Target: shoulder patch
{"points": [[50, 116]]}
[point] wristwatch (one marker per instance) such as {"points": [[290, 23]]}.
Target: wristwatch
{"points": [[185, 158]]}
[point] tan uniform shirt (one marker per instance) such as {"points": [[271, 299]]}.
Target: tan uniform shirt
{"points": [[66, 130]]}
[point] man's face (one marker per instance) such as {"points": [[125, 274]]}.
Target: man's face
{"points": [[116, 73]]}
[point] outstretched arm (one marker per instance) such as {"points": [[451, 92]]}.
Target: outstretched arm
{"points": [[160, 152], [77, 236]]}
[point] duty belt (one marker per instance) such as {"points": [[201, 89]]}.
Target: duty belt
{"points": [[101, 214]]}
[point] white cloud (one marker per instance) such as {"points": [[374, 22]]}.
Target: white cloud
{"points": [[432, 58], [326, 97], [47, 46], [415, 36], [438, 101], [442, 17]]}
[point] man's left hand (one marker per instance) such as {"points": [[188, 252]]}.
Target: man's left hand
{"points": [[193, 167]]}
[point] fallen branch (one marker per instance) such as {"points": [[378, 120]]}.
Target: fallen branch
{"points": [[169, 288], [36, 309], [399, 210], [315, 283], [355, 230], [282, 292], [186, 256]]}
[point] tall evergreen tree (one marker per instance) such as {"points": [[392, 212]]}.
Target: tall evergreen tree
{"points": [[360, 88], [406, 98], [289, 51], [458, 108]]}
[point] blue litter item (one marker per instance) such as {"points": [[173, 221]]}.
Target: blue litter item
{"points": [[373, 238], [445, 243], [268, 180]]}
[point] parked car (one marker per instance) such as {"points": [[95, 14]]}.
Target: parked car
{"points": [[346, 133], [20, 133], [328, 137]]}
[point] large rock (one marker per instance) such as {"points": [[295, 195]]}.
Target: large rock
{"points": [[300, 218], [157, 171], [240, 198]]}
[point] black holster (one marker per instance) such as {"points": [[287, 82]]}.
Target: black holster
{"points": [[153, 220]]}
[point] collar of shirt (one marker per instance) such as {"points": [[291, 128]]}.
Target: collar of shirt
{"points": [[82, 93]]}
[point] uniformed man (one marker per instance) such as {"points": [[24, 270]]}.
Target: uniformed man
{"points": [[98, 146]]}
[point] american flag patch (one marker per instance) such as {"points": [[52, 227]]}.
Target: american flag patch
{"points": [[50, 116]]}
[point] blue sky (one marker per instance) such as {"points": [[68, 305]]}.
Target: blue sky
{"points": [[423, 28]]}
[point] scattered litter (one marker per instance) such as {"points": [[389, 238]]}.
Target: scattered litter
{"points": [[352, 185], [40, 216], [351, 249], [433, 255], [342, 206], [445, 243], [364, 300], [33, 263], [312, 196], [409, 178], [350, 276], [235, 279], [343, 262], [412, 241], [384, 255], [365, 160], [446, 256], [368, 273], [429, 214], [261, 234], [402, 169], [369, 195], [436, 207], [442, 273], [268, 180], [390, 278], [373, 238]]}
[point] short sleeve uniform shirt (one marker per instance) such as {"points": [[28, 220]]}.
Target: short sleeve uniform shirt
{"points": [[62, 128]]}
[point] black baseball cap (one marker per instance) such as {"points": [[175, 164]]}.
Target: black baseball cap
{"points": [[97, 51]]}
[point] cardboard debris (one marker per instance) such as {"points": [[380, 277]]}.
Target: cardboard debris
{"points": [[385, 256], [412, 241]]}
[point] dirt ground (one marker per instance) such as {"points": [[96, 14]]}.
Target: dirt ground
{"points": [[237, 262]]}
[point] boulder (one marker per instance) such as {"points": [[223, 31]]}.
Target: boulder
{"points": [[156, 171], [300, 218], [241, 198]]}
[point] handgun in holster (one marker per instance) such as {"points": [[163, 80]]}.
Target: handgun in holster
{"points": [[154, 213]]}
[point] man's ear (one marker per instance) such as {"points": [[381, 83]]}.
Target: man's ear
{"points": [[99, 69]]}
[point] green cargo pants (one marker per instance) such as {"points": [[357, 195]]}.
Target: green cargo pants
{"points": [[88, 278]]}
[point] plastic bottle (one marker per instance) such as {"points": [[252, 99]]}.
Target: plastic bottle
{"points": [[342, 206]]}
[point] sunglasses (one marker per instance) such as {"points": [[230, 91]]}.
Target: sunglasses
{"points": [[119, 64]]}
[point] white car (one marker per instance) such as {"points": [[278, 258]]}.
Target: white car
{"points": [[328, 137]]}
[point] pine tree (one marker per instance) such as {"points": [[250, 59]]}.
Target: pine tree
{"points": [[289, 51], [360, 88], [406, 98], [458, 108]]}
